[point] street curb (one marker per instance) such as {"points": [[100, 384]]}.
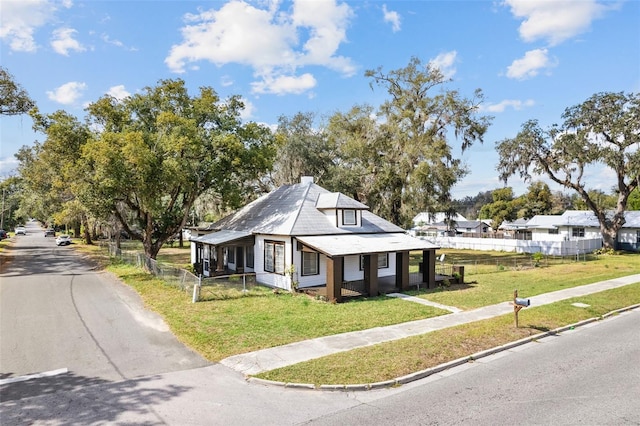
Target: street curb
{"points": [[398, 381]]}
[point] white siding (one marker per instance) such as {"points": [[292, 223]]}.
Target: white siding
{"points": [[554, 248], [269, 278]]}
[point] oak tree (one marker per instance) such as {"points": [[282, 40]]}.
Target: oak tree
{"points": [[14, 100], [156, 151], [407, 147], [602, 131]]}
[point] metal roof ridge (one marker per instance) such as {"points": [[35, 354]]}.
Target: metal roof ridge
{"points": [[304, 198]]}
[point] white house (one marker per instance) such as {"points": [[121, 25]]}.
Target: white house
{"points": [[303, 235], [426, 218], [573, 232]]}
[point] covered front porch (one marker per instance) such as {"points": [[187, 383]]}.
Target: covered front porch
{"points": [[336, 248], [386, 285]]}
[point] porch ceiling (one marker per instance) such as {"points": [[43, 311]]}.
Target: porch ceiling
{"points": [[221, 237], [352, 244]]}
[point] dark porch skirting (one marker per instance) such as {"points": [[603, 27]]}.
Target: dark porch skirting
{"points": [[386, 285]]}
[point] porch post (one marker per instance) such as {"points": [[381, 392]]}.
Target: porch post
{"points": [[402, 270], [334, 278], [371, 274], [429, 268], [220, 256]]}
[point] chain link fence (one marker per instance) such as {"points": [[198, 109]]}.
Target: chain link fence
{"points": [[176, 277]]}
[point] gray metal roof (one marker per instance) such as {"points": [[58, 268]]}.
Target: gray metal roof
{"points": [[336, 200], [543, 222], [292, 210], [587, 218], [578, 218], [346, 245], [221, 237]]}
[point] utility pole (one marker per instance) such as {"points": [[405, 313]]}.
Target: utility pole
{"points": [[2, 216]]}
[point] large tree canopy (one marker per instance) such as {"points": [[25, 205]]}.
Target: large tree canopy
{"points": [[14, 100], [604, 130], [155, 152], [404, 152], [49, 170], [302, 150]]}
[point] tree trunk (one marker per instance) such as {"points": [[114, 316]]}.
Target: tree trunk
{"points": [[87, 233], [608, 237]]}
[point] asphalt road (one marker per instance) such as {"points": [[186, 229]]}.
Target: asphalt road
{"points": [[125, 368], [588, 376], [57, 314]]}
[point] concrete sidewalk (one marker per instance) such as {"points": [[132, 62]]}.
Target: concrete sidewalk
{"points": [[268, 359]]}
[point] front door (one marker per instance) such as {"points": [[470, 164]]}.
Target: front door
{"points": [[240, 259]]}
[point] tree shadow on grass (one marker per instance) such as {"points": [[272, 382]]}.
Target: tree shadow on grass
{"points": [[78, 400]]}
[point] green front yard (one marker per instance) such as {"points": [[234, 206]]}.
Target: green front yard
{"points": [[262, 318]]}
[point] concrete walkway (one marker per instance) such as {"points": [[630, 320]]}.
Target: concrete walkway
{"points": [[268, 359], [424, 302]]}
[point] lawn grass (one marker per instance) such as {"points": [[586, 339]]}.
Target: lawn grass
{"points": [[489, 289], [390, 360], [243, 322], [263, 318]]}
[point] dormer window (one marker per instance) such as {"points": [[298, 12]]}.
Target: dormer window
{"points": [[349, 217]]}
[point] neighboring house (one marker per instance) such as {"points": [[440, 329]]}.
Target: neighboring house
{"points": [[426, 218], [472, 228], [303, 235], [573, 232], [435, 224], [466, 228]]}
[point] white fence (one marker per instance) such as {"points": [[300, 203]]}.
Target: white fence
{"points": [[551, 248]]}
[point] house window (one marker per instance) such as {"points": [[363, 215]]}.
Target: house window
{"points": [[249, 250], [349, 217], [553, 231], [638, 237], [383, 261], [231, 255], [310, 263], [577, 232], [274, 257]]}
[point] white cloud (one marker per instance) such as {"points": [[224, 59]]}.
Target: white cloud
{"points": [[554, 21], [445, 62], [392, 17], [20, 19], [8, 166], [275, 43], [68, 93], [530, 65], [284, 84], [248, 110], [117, 43], [508, 103], [63, 41], [118, 92], [226, 81]]}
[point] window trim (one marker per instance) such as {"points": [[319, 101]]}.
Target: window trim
{"points": [[344, 217], [275, 246], [384, 256], [317, 263], [249, 257]]}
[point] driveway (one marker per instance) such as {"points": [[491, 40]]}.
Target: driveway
{"points": [[61, 318]]}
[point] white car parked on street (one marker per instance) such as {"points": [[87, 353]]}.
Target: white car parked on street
{"points": [[21, 230], [63, 240]]}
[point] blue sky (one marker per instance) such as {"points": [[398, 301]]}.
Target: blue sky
{"points": [[531, 58]]}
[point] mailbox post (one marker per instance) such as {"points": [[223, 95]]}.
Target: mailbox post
{"points": [[518, 303]]}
